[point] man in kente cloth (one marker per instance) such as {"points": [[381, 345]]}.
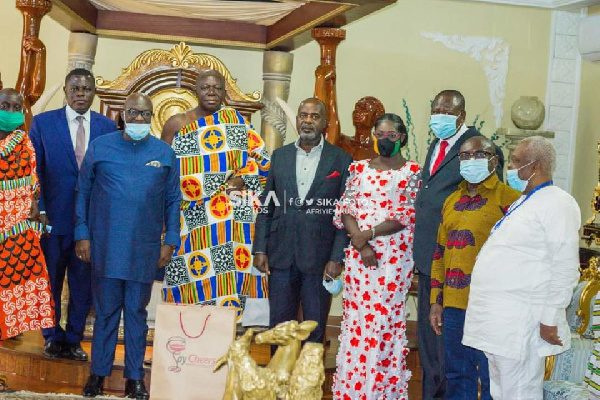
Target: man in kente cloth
{"points": [[223, 163]]}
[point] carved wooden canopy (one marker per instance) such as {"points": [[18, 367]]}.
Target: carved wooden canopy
{"points": [[169, 78], [155, 20]]}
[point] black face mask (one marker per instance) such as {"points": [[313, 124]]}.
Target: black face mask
{"points": [[386, 148]]}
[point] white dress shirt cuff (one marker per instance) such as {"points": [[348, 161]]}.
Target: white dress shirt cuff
{"points": [[550, 315]]}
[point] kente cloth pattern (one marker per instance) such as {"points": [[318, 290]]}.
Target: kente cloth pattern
{"points": [[213, 263], [25, 298], [371, 360]]}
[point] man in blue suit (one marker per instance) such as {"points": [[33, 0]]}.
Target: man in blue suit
{"points": [[61, 138], [128, 190]]}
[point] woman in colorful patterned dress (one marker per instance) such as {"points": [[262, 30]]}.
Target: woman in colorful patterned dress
{"points": [[377, 212], [25, 298]]}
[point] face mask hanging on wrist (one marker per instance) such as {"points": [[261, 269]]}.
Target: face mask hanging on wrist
{"points": [[334, 286]]}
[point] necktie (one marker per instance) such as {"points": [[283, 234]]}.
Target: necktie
{"points": [[440, 156], [80, 141]]}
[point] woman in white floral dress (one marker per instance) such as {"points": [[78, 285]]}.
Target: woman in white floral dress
{"points": [[377, 212]]}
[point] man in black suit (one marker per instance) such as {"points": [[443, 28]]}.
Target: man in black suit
{"points": [[295, 241], [440, 177]]}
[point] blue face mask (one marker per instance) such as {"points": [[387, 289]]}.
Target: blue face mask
{"points": [[513, 180], [475, 170], [443, 126], [137, 131], [333, 286]]}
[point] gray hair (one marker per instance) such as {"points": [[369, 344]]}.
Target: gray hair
{"points": [[542, 150]]}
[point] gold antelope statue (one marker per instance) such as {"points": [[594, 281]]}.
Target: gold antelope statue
{"points": [[306, 382], [288, 336], [245, 379]]}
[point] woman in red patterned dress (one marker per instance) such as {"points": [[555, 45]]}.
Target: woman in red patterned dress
{"points": [[377, 212], [25, 298]]}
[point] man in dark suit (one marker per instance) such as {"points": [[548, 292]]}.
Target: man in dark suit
{"points": [[440, 177], [61, 138], [295, 241]]}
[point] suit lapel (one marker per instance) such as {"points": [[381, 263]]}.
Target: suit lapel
{"points": [[323, 167], [292, 180], [64, 136], [426, 175], [94, 127]]}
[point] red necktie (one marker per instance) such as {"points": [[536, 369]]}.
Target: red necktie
{"points": [[440, 156]]}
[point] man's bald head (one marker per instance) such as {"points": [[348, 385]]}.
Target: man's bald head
{"points": [[480, 143], [138, 109], [452, 99], [316, 101], [205, 73], [11, 100]]}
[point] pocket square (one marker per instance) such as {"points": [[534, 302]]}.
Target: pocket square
{"points": [[332, 175], [155, 164]]}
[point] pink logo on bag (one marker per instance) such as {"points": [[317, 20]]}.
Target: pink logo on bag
{"points": [[175, 346]]}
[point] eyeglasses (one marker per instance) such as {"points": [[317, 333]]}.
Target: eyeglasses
{"points": [[478, 155], [133, 113], [388, 134]]}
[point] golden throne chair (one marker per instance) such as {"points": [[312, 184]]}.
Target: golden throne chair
{"points": [[565, 372], [169, 78]]}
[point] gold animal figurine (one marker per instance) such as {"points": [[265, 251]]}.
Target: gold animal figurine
{"points": [[306, 382], [288, 337], [246, 380]]}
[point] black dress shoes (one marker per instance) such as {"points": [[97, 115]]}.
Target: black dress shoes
{"points": [[74, 352], [93, 386], [135, 389], [53, 349]]}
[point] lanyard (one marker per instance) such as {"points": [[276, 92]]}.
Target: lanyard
{"points": [[512, 209]]}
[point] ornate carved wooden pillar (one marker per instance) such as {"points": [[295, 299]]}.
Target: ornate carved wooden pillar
{"points": [[277, 74], [82, 50], [32, 73], [325, 77]]}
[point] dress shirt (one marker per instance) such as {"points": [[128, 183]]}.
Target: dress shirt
{"points": [[524, 275], [306, 166], [74, 124], [466, 224], [451, 142]]}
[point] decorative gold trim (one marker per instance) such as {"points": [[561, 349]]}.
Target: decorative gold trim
{"points": [[549, 367], [74, 15], [180, 56], [311, 24], [591, 275], [170, 38]]}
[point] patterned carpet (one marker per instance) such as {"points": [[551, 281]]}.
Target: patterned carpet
{"points": [[51, 396]]}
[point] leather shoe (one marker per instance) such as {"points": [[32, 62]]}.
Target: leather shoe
{"points": [[53, 349], [74, 352], [135, 389], [93, 386]]}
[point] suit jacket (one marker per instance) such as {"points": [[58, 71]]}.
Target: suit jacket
{"points": [[431, 197], [302, 234], [56, 164]]}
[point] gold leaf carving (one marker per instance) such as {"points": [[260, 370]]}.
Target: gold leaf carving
{"points": [[181, 56]]}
